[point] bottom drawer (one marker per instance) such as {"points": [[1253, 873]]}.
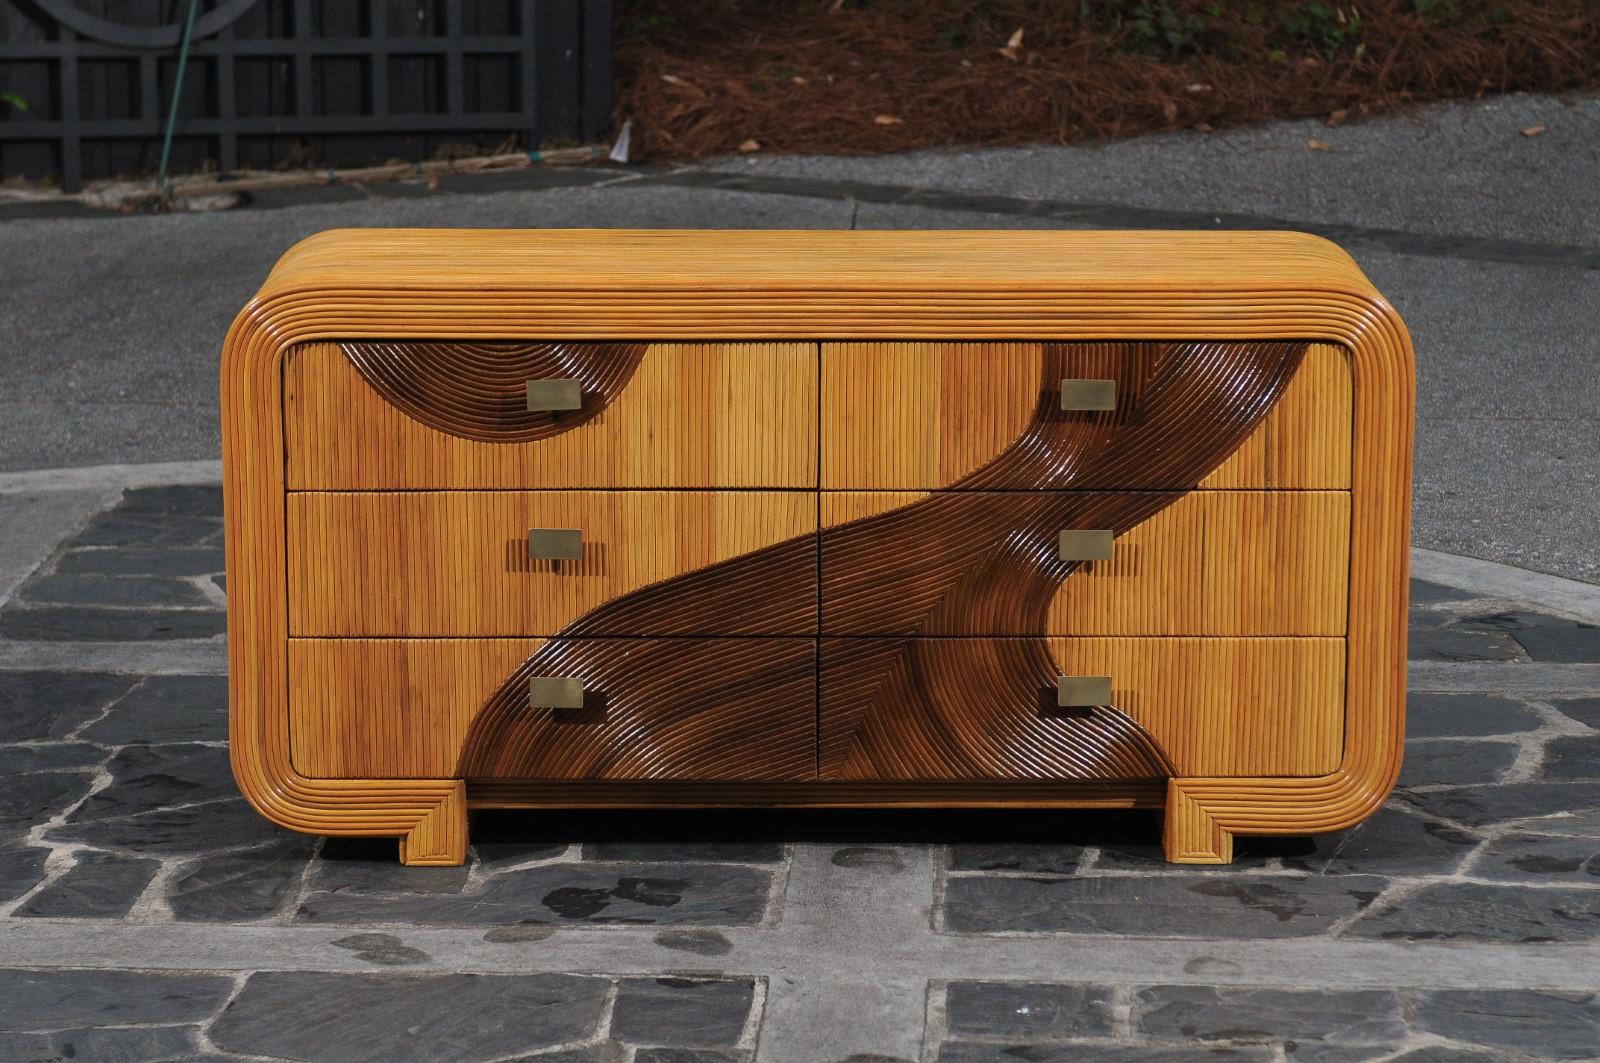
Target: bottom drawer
{"points": [[674, 708], [986, 708]]}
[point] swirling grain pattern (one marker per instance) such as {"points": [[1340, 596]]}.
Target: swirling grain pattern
{"points": [[477, 390], [952, 563], [673, 708], [915, 708]]}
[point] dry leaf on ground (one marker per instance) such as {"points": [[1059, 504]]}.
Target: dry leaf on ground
{"points": [[1533, 130], [1317, 145]]}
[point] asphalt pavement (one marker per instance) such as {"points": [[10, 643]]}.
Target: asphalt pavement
{"points": [[1487, 240]]}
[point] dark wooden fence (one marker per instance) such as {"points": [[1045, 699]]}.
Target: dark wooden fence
{"points": [[295, 82]]}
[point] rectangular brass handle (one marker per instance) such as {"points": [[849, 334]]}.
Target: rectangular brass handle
{"points": [[555, 544], [550, 395], [555, 692], [1088, 394], [1083, 691], [1085, 544]]}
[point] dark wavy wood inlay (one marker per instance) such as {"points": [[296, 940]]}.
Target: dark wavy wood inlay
{"points": [[477, 390], [930, 708], [673, 708]]}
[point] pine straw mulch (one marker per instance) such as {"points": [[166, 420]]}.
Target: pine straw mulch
{"points": [[856, 77]]}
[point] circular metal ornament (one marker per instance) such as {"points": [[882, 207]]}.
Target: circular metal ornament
{"points": [[119, 33]]}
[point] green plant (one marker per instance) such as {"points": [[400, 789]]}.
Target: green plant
{"points": [[1330, 30], [12, 101], [1158, 27]]}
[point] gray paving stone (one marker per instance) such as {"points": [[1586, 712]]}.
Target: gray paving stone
{"points": [[681, 1012], [630, 894], [1540, 858], [699, 942], [83, 589], [1431, 715], [1226, 907], [119, 527], [1015, 856], [41, 705], [147, 778], [1569, 824], [972, 1052], [1173, 1012], [601, 1052], [1472, 911], [1323, 1052], [142, 561], [167, 708], [135, 1044], [867, 858], [196, 500], [732, 852], [496, 855], [1484, 806], [334, 1016], [199, 828], [1546, 638], [1441, 762], [1448, 643], [60, 999], [29, 799], [1390, 842], [239, 886], [690, 1055], [1025, 1011], [49, 756], [1546, 1025], [370, 866], [1584, 710], [98, 886], [385, 950], [1437, 1054], [1425, 594], [21, 869], [1249, 855], [73, 623], [1572, 757]]}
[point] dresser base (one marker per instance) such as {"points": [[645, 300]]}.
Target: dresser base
{"points": [[1191, 835]]}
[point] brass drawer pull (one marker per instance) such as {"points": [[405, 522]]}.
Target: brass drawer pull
{"points": [[551, 395], [1085, 544], [1083, 691], [1088, 394], [555, 692], [555, 544]]}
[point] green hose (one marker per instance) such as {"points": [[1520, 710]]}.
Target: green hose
{"points": [[177, 93]]}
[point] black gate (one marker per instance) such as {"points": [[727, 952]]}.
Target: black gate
{"points": [[294, 82]]}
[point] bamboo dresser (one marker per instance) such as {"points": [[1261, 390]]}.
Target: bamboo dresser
{"points": [[547, 519]]}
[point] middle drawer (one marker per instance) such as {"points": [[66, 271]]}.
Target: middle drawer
{"points": [[458, 563]]}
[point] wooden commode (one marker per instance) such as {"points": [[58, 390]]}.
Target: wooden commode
{"points": [[548, 519]]}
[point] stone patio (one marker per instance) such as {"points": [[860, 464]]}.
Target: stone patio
{"points": [[147, 913]]}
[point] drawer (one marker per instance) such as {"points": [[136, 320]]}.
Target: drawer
{"points": [[454, 415], [986, 708], [652, 709], [457, 563], [988, 563], [924, 416]]}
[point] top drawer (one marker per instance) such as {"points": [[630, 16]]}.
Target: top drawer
{"points": [[433, 415], [928, 416]]}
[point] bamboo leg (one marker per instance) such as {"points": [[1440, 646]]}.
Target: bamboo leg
{"points": [[1191, 835], [440, 839]]}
